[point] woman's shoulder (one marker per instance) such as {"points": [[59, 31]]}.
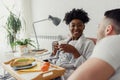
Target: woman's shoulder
{"points": [[91, 40]]}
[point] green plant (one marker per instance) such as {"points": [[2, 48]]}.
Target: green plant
{"points": [[24, 42], [13, 26]]}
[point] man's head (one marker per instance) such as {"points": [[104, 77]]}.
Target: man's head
{"points": [[110, 24]]}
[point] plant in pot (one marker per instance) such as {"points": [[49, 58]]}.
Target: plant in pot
{"points": [[23, 44], [13, 26]]}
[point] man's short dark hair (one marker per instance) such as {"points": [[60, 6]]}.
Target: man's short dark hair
{"points": [[76, 14], [114, 14]]}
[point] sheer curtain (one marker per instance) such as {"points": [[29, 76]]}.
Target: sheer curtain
{"points": [[21, 7]]}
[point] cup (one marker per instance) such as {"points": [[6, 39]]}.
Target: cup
{"points": [[55, 45], [61, 42]]}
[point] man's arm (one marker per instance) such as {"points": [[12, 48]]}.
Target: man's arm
{"points": [[93, 69]]}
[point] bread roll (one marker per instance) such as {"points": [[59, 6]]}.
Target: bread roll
{"points": [[22, 61]]}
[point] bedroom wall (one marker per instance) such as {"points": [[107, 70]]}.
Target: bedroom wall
{"points": [[95, 8], [42, 8]]}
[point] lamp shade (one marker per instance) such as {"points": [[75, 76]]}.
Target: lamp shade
{"points": [[56, 21]]}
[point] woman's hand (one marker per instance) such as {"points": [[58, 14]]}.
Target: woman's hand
{"points": [[70, 49]]}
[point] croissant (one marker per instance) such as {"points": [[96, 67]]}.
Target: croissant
{"points": [[23, 61]]}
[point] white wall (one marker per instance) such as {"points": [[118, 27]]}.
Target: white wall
{"points": [[27, 16], [95, 8]]}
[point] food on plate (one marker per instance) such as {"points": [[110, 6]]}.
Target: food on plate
{"points": [[8, 62], [22, 61]]}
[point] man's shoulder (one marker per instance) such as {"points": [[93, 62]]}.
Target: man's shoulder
{"points": [[113, 37], [108, 50], [110, 39], [107, 44]]}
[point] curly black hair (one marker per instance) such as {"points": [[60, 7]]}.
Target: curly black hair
{"points": [[76, 14]]}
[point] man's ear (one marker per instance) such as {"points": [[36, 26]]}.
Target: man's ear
{"points": [[108, 30]]}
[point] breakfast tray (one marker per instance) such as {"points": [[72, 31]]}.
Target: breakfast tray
{"points": [[35, 73]]}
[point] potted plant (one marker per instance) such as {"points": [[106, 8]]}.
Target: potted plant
{"points": [[13, 26], [23, 44]]}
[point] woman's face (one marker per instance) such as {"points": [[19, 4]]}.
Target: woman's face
{"points": [[76, 27]]}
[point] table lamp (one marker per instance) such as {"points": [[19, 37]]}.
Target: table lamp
{"points": [[55, 20]]}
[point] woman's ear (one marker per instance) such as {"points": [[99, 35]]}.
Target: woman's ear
{"points": [[83, 26], [109, 30]]}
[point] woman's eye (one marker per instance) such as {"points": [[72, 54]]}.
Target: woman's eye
{"points": [[72, 25]]}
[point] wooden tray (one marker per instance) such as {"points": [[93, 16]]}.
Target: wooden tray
{"points": [[35, 73]]}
